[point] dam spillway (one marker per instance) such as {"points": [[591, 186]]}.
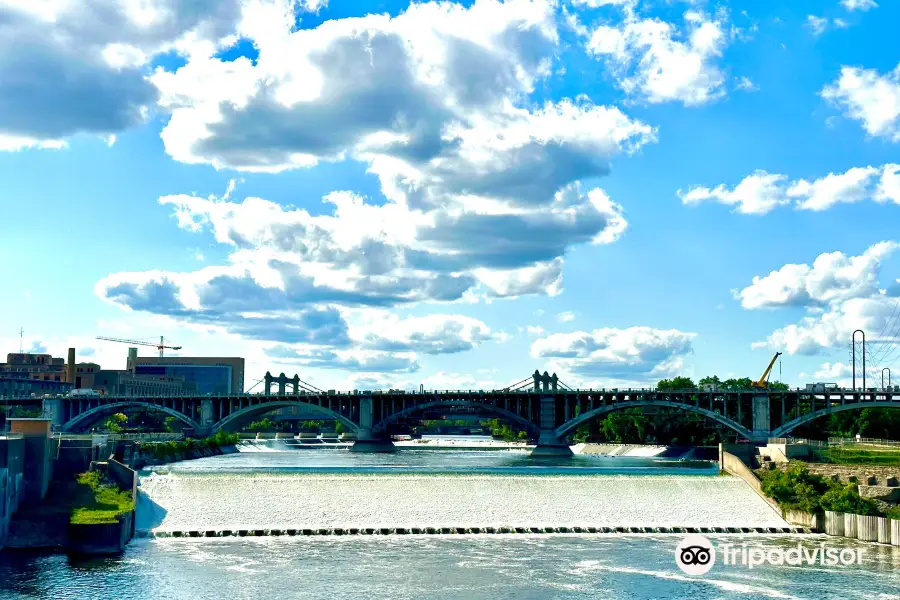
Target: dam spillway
{"points": [[218, 501]]}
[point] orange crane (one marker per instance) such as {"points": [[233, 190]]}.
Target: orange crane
{"points": [[764, 380], [160, 346]]}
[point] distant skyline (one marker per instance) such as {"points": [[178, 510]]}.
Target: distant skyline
{"points": [[374, 194]]}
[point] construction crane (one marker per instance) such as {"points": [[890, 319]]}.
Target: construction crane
{"points": [[160, 346], [764, 380]]}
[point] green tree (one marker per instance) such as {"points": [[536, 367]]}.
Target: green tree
{"points": [[624, 427], [676, 383], [115, 423], [264, 425], [710, 380]]}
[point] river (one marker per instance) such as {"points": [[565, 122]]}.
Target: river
{"points": [[288, 486]]}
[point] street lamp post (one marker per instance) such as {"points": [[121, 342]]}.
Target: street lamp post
{"points": [[882, 376]]}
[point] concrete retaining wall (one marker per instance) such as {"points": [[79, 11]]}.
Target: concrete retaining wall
{"points": [[738, 468], [884, 530], [862, 473], [12, 484], [834, 523], [864, 528], [101, 539], [813, 521], [124, 477], [850, 526]]}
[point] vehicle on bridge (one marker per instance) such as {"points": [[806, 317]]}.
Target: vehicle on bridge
{"points": [[83, 393]]}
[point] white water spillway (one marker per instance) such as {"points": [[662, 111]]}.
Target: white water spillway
{"points": [[174, 501]]}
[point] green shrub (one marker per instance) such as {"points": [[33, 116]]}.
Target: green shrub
{"points": [[795, 488], [169, 450], [846, 499]]}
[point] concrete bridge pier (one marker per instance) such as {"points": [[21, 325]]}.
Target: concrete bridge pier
{"points": [[366, 440], [53, 410], [761, 418], [549, 444]]}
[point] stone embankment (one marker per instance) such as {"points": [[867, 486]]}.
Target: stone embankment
{"points": [[878, 483]]}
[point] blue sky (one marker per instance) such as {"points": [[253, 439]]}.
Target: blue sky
{"points": [[375, 194]]}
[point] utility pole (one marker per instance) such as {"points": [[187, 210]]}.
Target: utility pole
{"points": [[853, 339], [21, 338]]}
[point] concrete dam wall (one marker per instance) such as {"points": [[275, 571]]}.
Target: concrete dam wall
{"points": [[172, 501]]}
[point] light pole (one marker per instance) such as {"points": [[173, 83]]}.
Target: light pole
{"points": [[882, 376], [863, 358]]}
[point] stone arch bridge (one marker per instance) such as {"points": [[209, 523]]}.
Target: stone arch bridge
{"points": [[549, 413]]}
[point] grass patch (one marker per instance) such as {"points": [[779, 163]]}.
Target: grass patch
{"points": [[853, 455], [96, 502]]}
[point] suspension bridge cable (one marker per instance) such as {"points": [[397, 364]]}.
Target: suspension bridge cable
{"points": [[517, 384], [310, 387]]}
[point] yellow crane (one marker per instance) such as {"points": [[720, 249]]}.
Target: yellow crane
{"points": [[160, 346], [764, 380]]}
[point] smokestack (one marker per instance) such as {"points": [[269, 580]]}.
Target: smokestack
{"points": [[132, 360], [70, 367]]}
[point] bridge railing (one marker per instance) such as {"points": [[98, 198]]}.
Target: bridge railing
{"points": [[808, 442], [837, 441]]}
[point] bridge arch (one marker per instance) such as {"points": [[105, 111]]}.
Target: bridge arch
{"points": [[93, 414], [246, 414], [567, 427], [532, 429], [791, 425]]}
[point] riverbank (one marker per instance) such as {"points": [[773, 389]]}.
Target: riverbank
{"points": [[212, 501], [148, 459]]}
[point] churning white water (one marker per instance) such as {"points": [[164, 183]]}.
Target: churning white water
{"points": [[177, 501]]}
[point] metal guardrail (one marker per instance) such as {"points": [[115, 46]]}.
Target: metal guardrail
{"points": [[836, 441], [813, 443]]}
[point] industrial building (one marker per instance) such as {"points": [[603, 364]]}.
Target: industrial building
{"points": [[24, 374], [210, 375]]}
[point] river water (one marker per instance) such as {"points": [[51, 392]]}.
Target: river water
{"points": [[280, 486]]}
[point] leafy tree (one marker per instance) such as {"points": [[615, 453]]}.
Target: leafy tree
{"points": [[338, 427], [115, 423], [676, 383], [170, 424], [624, 427], [265, 424], [744, 383]]}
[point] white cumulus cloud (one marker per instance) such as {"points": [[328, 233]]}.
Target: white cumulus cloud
{"points": [[870, 97], [631, 354], [660, 63], [761, 192]]}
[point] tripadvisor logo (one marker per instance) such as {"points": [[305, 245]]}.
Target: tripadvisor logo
{"points": [[696, 555]]}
